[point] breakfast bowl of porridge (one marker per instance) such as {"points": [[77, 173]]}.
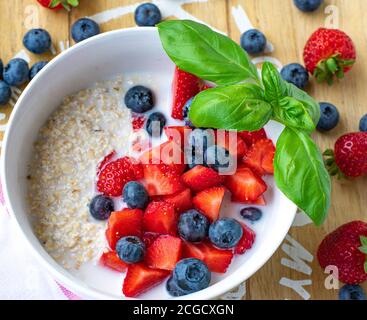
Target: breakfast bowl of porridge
{"points": [[100, 174]]}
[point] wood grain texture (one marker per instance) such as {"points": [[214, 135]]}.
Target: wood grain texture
{"points": [[287, 29]]}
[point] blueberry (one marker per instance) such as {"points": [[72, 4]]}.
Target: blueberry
{"points": [[185, 112], [308, 5], [174, 290], [218, 158], [191, 275], [251, 213], [155, 124], [130, 249], [37, 67], [139, 99], [37, 41], [193, 226], [147, 15], [135, 195], [363, 124], [329, 117], [1, 69], [253, 41], [5, 93], [16, 72], [199, 140], [225, 233], [295, 74], [101, 207], [352, 292], [83, 29]]}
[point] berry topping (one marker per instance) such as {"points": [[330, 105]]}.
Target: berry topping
{"points": [[135, 195], [251, 213], [185, 112], [209, 202], [218, 158], [260, 157], [200, 178], [155, 124], [111, 260], [160, 217], [193, 226], [246, 241], [101, 207], [139, 99], [181, 200], [83, 29], [253, 41], [250, 137], [130, 249], [225, 233]]}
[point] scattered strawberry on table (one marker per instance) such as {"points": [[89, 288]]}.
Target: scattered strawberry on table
{"points": [[58, 4]]}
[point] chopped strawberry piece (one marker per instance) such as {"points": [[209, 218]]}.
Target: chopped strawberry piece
{"points": [[160, 217], [149, 238], [138, 121], [250, 137], [217, 260], [232, 142], [105, 160], [260, 157], [182, 200], [184, 87], [127, 222], [209, 202], [139, 279], [178, 134], [200, 178], [164, 252], [111, 260], [247, 240], [245, 185]]}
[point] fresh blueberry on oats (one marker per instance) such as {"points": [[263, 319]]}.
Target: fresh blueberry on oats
{"points": [[101, 207], [83, 29], [5, 93], [155, 124], [308, 5], [147, 15], [193, 226], [185, 112], [296, 74], [352, 292], [251, 213], [16, 72], [253, 41], [329, 117], [218, 158], [225, 233], [363, 124], [135, 195], [174, 290], [37, 41], [139, 99], [130, 249], [37, 67]]}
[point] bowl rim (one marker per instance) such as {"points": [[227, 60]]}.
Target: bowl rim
{"points": [[61, 275]]}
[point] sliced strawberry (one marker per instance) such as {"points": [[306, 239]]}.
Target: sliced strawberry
{"points": [[250, 137], [247, 240], [260, 157], [184, 87], [149, 237], [245, 185], [128, 222], [217, 260], [209, 202], [160, 217], [164, 252], [178, 134], [200, 178], [111, 260], [234, 144], [140, 278], [182, 200], [105, 160], [138, 121]]}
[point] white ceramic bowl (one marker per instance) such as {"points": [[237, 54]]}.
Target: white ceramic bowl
{"points": [[102, 57]]}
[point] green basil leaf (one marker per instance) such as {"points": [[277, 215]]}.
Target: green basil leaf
{"points": [[293, 113], [301, 175], [237, 107], [197, 49], [275, 87]]}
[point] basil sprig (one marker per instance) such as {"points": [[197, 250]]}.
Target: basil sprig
{"points": [[236, 104]]}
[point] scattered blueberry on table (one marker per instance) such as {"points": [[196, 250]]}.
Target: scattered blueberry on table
{"points": [[193, 226], [253, 41], [5, 93], [1, 69], [139, 99], [352, 292], [37, 67], [185, 112], [329, 117], [225, 233], [155, 121], [218, 158], [84, 28], [308, 5], [101, 207], [135, 195], [37, 41], [130, 249], [16, 72], [147, 15], [295, 74], [363, 124], [251, 213]]}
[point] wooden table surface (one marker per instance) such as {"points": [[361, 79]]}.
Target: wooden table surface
{"points": [[284, 276]]}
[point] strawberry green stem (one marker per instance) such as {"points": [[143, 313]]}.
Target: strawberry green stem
{"points": [[331, 165], [363, 249]]}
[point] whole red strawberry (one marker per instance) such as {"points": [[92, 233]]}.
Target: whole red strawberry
{"points": [[349, 157], [114, 175], [59, 4], [329, 53], [346, 248]]}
